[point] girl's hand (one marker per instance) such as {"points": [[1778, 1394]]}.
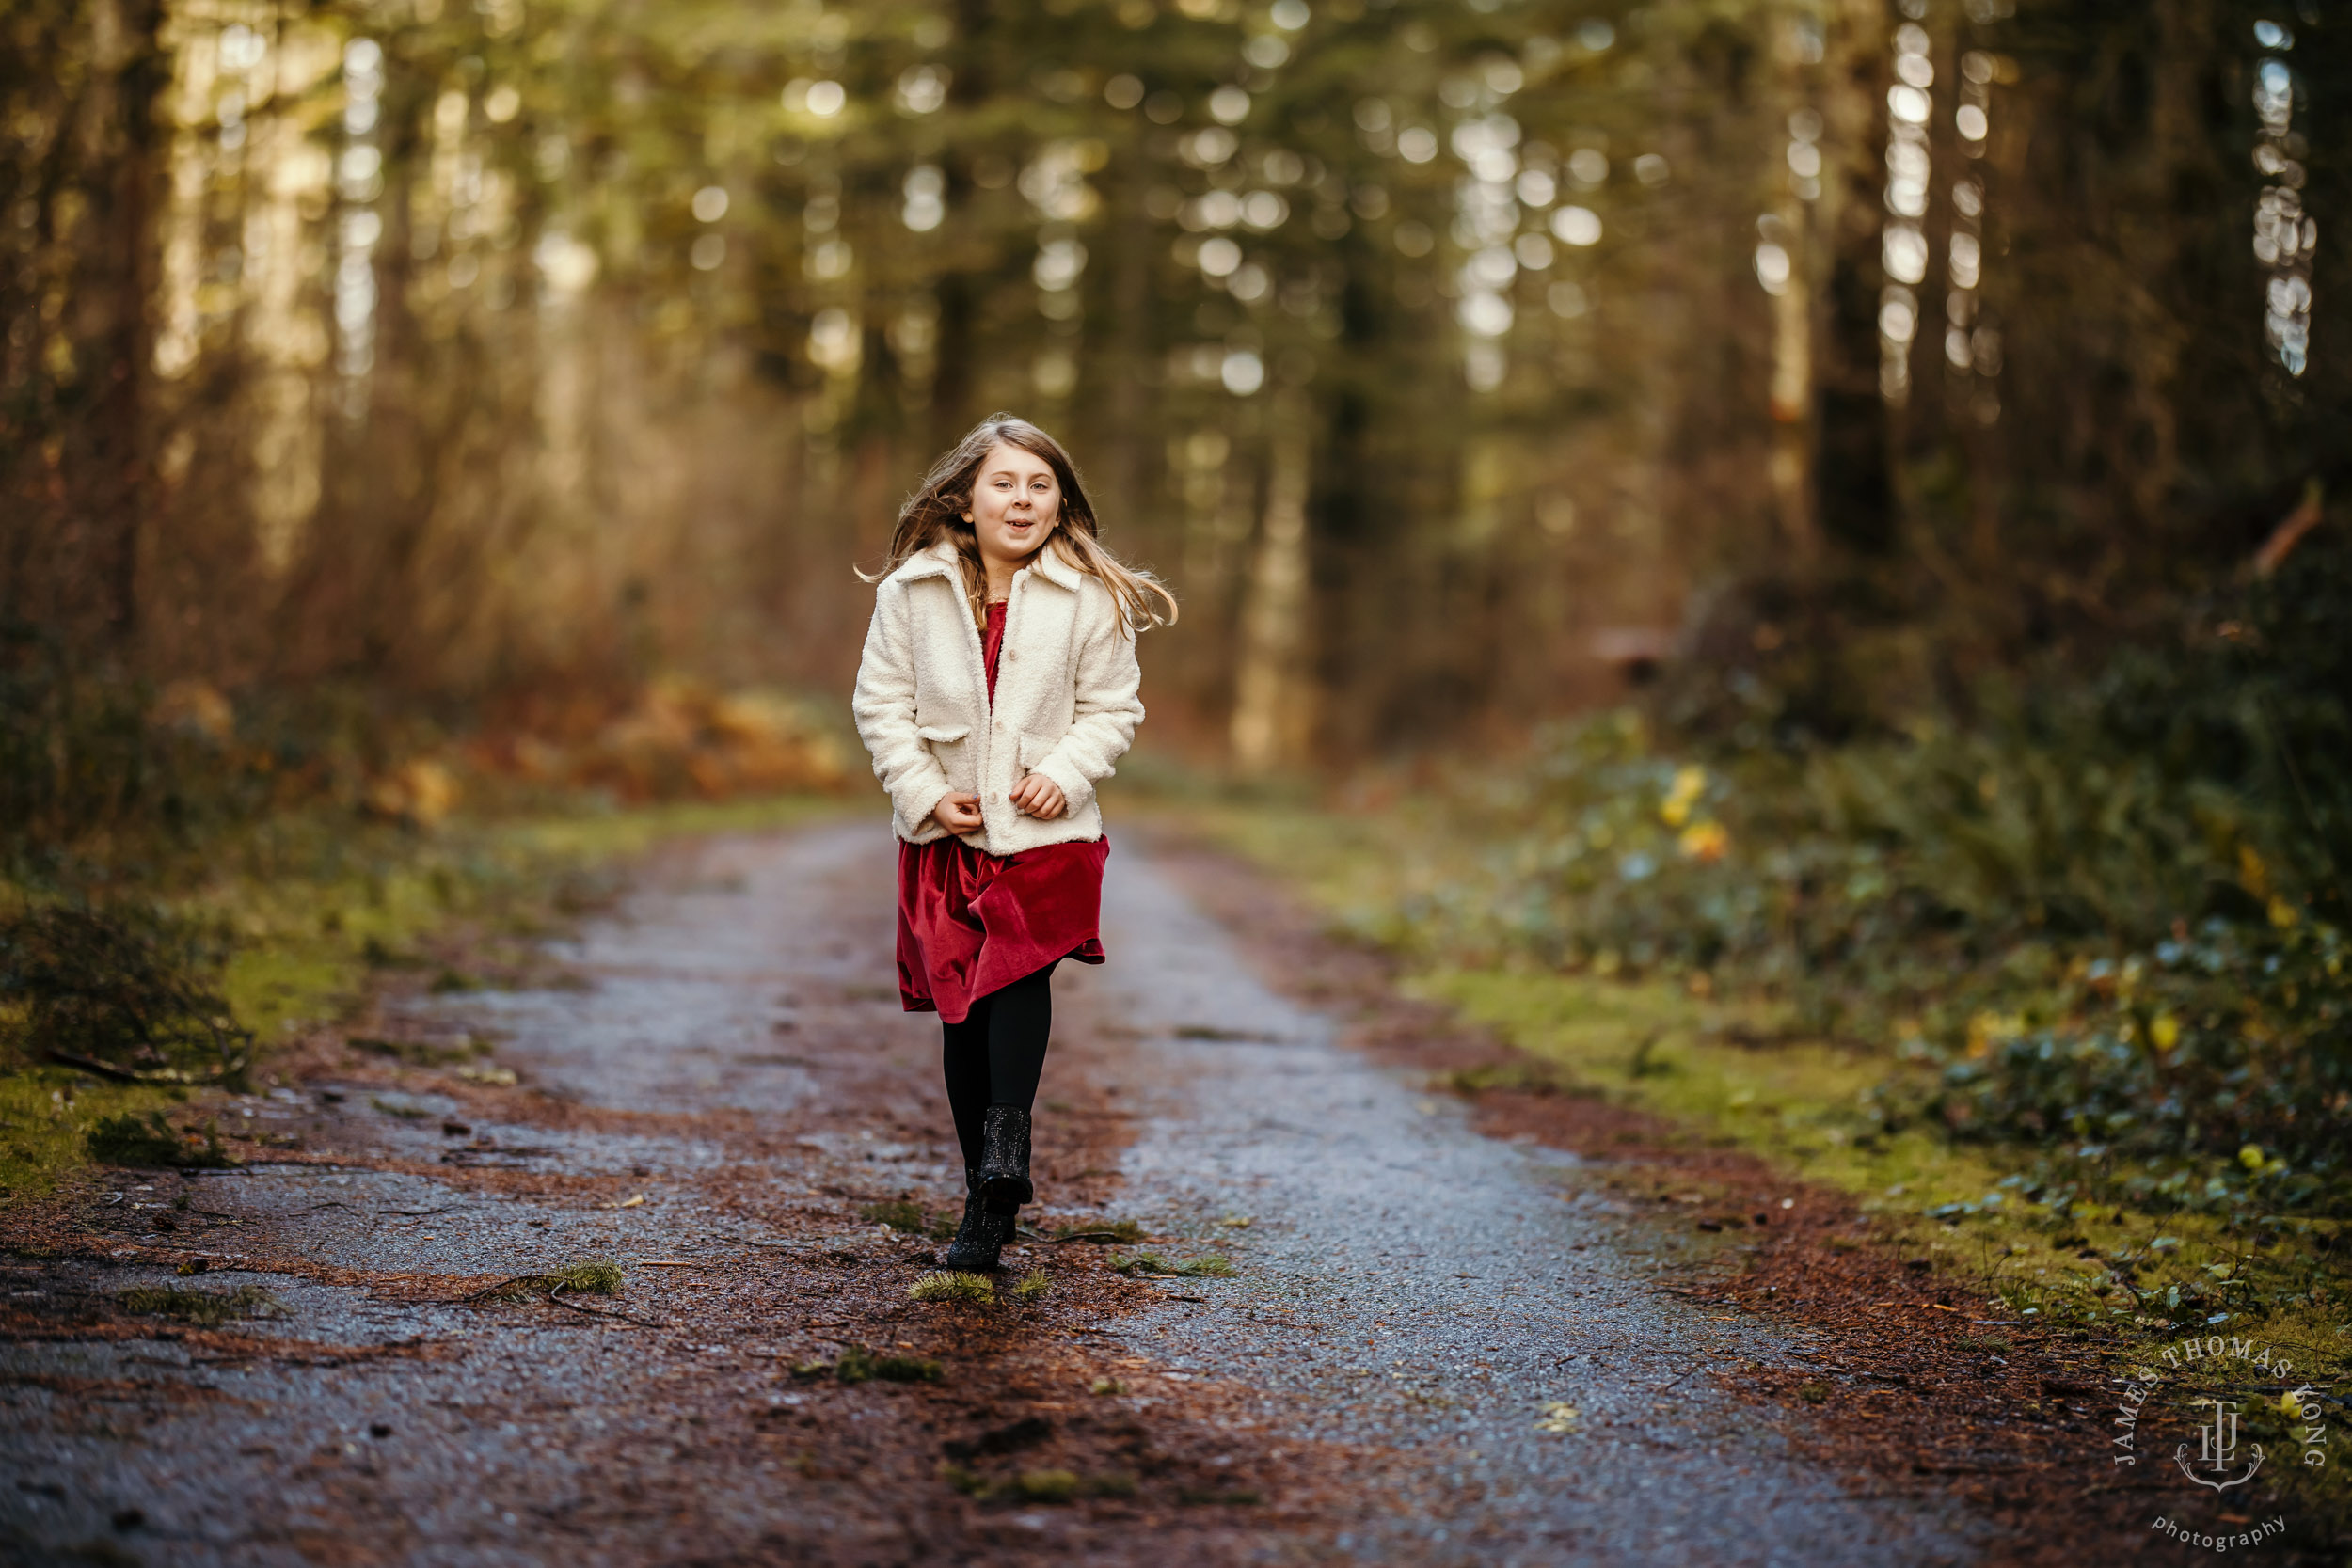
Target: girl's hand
{"points": [[958, 813], [1041, 796]]}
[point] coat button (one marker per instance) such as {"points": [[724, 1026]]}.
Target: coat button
{"points": [[1013, 654]]}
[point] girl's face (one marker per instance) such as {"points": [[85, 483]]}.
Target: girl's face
{"points": [[1015, 502]]}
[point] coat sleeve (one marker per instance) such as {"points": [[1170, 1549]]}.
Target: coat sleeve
{"points": [[1106, 709], [883, 705]]}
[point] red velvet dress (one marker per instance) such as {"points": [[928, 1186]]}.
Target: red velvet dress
{"points": [[970, 922]]}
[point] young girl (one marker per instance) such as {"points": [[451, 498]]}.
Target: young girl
{"points": [[995, 563]]}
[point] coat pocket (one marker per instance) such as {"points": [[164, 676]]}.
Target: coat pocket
{"points": [[1035, 748], [951, 744]]}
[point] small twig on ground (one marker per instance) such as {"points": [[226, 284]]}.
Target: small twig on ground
{"points": [[594, 1274], [556, 1296], [506, 1285], [139, 1075]]}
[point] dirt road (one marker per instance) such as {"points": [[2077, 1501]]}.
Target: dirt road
{"points": [[1434, 1346]]}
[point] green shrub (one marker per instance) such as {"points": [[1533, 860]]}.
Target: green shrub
{"points": [[2105, 914]]}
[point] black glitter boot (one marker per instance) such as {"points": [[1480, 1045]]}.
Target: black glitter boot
{"points": [[981, 1235], [1004, 1161]]}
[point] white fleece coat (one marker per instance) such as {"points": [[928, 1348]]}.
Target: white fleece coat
{"points": [[1066, 707]]}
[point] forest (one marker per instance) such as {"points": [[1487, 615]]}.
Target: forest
{"points": [[482, 365], [1785, 561], [391, 388], [1825, 520]]}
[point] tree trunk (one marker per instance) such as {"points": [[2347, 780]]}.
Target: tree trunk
{"points": [[1794, 312], [1271, 713], [106, 482], [1854, 488]]}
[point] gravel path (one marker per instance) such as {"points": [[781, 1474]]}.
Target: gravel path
{"points": [[729, 1078], [1410, 1284]]}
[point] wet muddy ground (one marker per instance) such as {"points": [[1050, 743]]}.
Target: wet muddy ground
{"points": [[1446, 1336]]}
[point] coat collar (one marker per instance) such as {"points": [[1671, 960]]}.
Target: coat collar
{"points": [[940, 560]]}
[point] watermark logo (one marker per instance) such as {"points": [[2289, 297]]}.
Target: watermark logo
{"points": [[2207, 1403], [2218, 1439]]}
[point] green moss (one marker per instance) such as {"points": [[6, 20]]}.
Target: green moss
{"points": [[953, 1286], [858, 1364], [136, 1139], [595, 1276], [899, 1214], [1036, 1486], [207, 1308], [1651, 1045]]}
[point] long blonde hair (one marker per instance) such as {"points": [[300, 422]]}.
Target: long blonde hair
{"points": [[935, 511]]}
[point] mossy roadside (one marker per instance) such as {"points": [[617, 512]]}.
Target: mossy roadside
{"points": [[319, 900], [2052, 1241]]}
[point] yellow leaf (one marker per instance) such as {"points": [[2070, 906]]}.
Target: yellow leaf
{"points": [[2250, 1156], [2283, 913], [1705, 841], [1690, 783], [2165, 1031]]}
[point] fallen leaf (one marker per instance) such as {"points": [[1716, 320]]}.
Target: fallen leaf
{"points": [[625, 1203]]}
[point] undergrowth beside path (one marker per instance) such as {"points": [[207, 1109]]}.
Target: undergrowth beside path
{"points": [[276, 929]]}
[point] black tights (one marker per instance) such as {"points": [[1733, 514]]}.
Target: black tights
{"points": [[997, 1053]]}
